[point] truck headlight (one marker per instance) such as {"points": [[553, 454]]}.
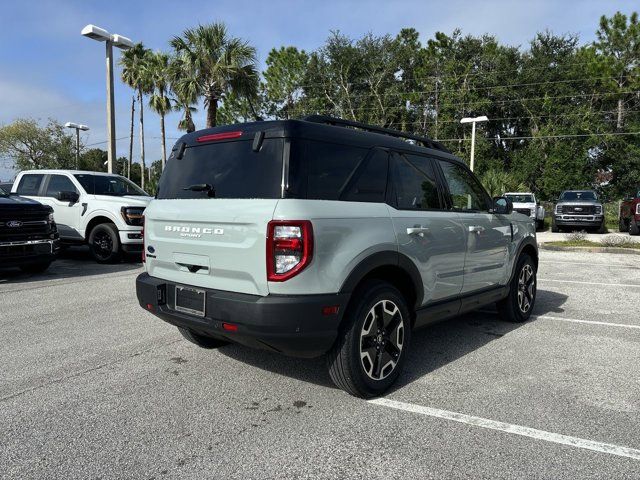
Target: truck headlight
{"points": [[598, 209], [132, 215], [50, 218], [638, 209]]}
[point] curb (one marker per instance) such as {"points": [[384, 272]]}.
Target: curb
{"points": [[557, 248]]}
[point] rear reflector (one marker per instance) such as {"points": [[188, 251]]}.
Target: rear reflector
{"points": [[150, 307], [229, 327], [219, 136], [332, 310]]}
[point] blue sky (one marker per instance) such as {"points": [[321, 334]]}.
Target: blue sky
{"points": [[48, 70]]}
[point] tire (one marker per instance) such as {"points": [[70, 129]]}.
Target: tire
{"points": [[602, 228], [376, 324], [622, 225], [35, 267], [518, 305], [634, 229], [554, 227], [201, 340], [539, 225], [104, 243]]}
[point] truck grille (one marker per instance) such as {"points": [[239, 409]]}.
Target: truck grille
{"points": [[524, 211], [577, 209], [26, 226]]}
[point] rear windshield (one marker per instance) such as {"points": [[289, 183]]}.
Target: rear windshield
{"points": [[231, 169], [519, 198], [588, 195]]}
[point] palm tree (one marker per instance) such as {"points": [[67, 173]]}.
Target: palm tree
{"points": [[158, 73], [135, 74], [185, 90], [220, 64]]}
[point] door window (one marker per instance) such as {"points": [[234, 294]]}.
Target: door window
{"points": [[368, 182], [57, 184], [466, 192], [414, 183], [30, 184]]}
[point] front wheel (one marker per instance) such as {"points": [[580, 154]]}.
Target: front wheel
{"points": [[104, 243], [622, 225], [602, 228], [371, 350], [517, 306], [634, 229]]}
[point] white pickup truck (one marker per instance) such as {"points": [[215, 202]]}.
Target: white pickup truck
{"points": [[100, 209], [526, 204]]}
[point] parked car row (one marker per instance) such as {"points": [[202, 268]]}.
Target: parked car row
{"points": [[102, 210]]}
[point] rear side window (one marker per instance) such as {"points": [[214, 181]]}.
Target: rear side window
{"points": [[368, 182], [232, 169], [321, 170], [414, 183], [30, 184], [57, 184]]}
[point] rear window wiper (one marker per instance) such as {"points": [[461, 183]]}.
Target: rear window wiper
{"points": [[202, 187]]}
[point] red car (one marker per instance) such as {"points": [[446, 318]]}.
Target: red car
{"points": [[630, 213]]}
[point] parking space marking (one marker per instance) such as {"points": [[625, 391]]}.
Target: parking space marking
{"points": [[591, 283], [511, 428], [594, 322], [608, 265]]}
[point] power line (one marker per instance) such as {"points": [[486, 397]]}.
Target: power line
{"points": [[541, 137]]}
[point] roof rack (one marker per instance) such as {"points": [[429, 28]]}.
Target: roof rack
{"points": [[425, 141]]}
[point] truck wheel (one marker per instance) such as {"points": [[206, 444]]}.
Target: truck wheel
{"points": [[104, 243], [634, 229], [371, 349], [35, 267], [518, 305], [554, 227], [622, 225], [539, 224], [602, 228], [201, 340]]}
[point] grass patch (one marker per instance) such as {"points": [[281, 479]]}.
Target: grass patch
{"points": [[589, 243]]}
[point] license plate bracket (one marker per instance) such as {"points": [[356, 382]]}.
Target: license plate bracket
{"points": [[190, 300]]}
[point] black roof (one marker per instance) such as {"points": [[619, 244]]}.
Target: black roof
{"points": [[329, 129]]}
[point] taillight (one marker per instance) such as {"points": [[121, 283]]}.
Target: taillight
{"points": [[289, 248], [144, 248]]}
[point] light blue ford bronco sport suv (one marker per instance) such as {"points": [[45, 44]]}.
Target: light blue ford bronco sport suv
{"points": [[323, 236]]}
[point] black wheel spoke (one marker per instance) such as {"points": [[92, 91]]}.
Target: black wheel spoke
{"points": [[395, 321], [392, 350], [381, 339], [377, 365], [379, 312]]}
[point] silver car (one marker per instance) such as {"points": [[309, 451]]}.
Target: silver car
{"points": [[328, 237]]}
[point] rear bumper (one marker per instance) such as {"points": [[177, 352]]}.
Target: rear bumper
{"points": [[15, 254], [292, 325]]}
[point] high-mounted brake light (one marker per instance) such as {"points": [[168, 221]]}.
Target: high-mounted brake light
{"points": [[219, 136], [289, 248]]}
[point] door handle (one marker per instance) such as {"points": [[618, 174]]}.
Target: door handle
{"points": [[476, 229], [417, 230]]}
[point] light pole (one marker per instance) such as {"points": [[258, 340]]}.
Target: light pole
{"points": [[77, 127], [101, 35], [473, 122]]}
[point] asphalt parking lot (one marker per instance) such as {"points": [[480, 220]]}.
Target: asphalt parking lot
{"points": [[94, 387]]}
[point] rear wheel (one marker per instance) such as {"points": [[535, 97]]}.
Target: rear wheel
{"points": [[201, 340], [35, 267], [622, 225], [369, 355], [539, 224], [104, 243], [518, 305], [634, 229]]}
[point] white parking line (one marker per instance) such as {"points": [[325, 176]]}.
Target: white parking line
{"points": [[591, 283], [608, 265], [594, 322], [510, 428]]}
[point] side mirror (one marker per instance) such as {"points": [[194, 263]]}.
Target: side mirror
{"points": [[502, 205], [67, 196]]}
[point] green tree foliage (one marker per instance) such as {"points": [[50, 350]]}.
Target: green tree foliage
{"points": [[157, 66], [31, 146], [218, 63], [286, 69]]}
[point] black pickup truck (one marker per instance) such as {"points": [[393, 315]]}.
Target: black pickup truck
{"points": [[28, 234]]}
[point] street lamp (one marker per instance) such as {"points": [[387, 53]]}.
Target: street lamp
{"points": [[77, 127], [101, 35], [473, 122]]}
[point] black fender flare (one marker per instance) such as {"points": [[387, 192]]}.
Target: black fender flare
{"points": [[383, 259], [527, 241]]}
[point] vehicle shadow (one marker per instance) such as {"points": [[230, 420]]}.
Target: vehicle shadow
{"points": [[432, 347], [71, 262]]}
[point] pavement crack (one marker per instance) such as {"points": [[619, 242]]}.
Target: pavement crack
{"points": [[83, 372]]}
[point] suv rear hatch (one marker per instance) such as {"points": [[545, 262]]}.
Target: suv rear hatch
{"points": [[207, 228]]}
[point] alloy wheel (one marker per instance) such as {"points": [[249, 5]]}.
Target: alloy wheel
{"points": [[526, 288], [381, 340], [102, 244]]}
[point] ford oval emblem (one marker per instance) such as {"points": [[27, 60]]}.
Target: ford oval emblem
{"points": [[150, 249], [14, 223]]}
